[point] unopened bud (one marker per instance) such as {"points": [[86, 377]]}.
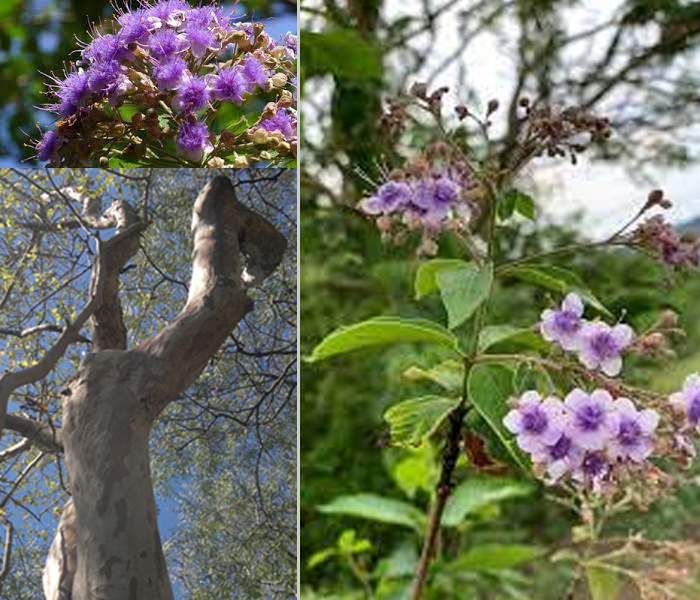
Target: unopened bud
{"points": [[265, 155], [278, 52], [260, 136], [286, 99], [104, 161], [492, 106], [419, 90], [216, 161], [269, 111], [240, 161], [278, 80]]}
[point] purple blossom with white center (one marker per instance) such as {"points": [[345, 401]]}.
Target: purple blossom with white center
{"points": [[170, 72], [281, 121], [192, 94], [229, 84], [48, 145], [254, 72], [193, 140], [72, 92], [601, 345], [564, 325], [634, 437], [389, 198], [593, 421], [536, 422], [687, 401], [558, 459], [134, 26], [164, 43], [171, 13], [593, 470]]}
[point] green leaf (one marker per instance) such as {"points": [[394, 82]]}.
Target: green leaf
{"points": [[514, 200], [474, 494], [557, 280], [376, 508], [413, 421], [507, 335], [348, 543], [463, 289], [344, 53], [382, 331], [603, 583], [426, 282], [494, 557], [448, 375], [489, 388], [321, 556]]}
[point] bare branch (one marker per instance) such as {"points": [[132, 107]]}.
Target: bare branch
{"points": [[46, 436]]}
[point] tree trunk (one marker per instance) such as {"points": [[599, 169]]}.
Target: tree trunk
{"points": [[112, 400]]}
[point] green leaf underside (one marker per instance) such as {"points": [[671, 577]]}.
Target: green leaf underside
{"points": [[448, 375], [556, 279], [463, 289], [489, 389], [413, 421], [603, 583], [514, 200], [495, 336], [376, 508], [381, 331], [494, 557], [425, 282], [474, 494], [341, 52]]}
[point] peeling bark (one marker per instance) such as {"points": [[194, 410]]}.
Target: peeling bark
{"points": [[112, 400]]}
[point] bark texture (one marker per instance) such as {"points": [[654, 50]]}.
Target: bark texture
{"points": [[112, 400]]}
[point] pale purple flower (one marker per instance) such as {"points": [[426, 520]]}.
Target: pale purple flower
{"points": [[634, 437], [193, 140], [601, 345], [200, 39], [687, 401], [558, 459], [563, 325], [134, 26], [229, 84], [536, 422], [48, 145], [390, 197], [170, 72], [592, 418], [254, 72], [593, 470], [281, 121], [171, 13], [165, 43], [192, 94], [106, 48], [72, 93], [435, 196]]}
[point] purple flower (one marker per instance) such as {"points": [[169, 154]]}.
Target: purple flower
{"points": [[562, 457], [254, 72], [634, 438], [592, 418], [201, 39], [171, 13], [564, 325], [169, 73], [229, 84], [281, 121], [72, 92], [192, 94], [535, 421], [601, 345], [435, 196], [134, 26], [290, 41], [102, 75], [593, 471], [48, 145], [193, 140], [106, 48], [165, 43], [390, 197], [687, 401]]}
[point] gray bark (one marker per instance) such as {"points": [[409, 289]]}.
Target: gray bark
{"points": [[112, 400]]}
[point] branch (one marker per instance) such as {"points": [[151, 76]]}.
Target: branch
{"points": [[217, 300], [22, 333], [8, 550], [46, 436]]}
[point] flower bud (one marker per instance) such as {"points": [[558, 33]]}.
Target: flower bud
{"points": [[216, 161], [260, 136], [104, 161], [269, 111], [279, 52], [278, 80], [240, 161], [265, 155], [286, 100]]}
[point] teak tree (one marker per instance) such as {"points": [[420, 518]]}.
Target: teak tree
{"points": [[108, 546]]}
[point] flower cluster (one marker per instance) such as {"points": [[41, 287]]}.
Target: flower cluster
{"points": [[680, 251], [597, 344], [588, 437], [173, 66]]}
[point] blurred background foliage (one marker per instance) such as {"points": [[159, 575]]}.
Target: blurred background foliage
{"points": [[641, 73], [39, 36]]}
